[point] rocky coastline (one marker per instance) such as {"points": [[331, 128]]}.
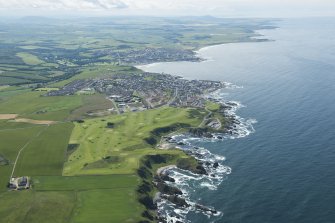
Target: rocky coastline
{"points": [[161, 188], [196, 163], [175, 195]]}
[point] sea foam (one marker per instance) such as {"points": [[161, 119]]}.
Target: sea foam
{"points": [[189, 182]]}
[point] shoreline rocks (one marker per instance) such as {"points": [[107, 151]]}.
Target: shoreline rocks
{"points": [[174, 194]]}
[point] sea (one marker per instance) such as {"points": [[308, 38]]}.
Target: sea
{"points": [[279, 167]]}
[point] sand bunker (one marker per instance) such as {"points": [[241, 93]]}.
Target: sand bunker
{"points": [[8, 116], [37, 122]]}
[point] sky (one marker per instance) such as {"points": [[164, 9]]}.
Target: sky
{"points": [[219, 8]]}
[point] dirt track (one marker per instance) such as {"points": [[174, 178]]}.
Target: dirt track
{"points": [[36, 122], [8, 116]]}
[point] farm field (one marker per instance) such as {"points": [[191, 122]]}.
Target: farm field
{"points": [[29, 58], [110, 205], [43, 149], [45, 154], [93, 182], [13, 136], [31, 206], [110, 198], [34, 106]]}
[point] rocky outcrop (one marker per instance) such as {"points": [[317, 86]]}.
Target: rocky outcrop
{"points": [[167, 189], [201, 132], [175, 199], [191, 164]]}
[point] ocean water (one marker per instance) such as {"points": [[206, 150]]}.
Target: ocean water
{"points": [[285, 170]]}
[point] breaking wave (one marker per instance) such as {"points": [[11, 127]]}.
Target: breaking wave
{"points": [[214, 164]]}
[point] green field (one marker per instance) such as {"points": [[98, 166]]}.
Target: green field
{"points": [[31, 207], [29, 58], [99, 70], [47, 89], [98, 197], [13, 136], [93, 182], [45, 154], [111, 205], [90, 104], [105, 199], [33, 105]]}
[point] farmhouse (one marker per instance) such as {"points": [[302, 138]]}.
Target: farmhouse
{"points": [[19, 183]]}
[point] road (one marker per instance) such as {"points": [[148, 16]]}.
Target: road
{"points": [[205, 118]]}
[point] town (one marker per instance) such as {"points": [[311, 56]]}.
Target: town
{"points": [[141, 91], [147, 55]]}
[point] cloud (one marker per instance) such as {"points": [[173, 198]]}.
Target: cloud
{"points": [[239, 8], [63, 4]]}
